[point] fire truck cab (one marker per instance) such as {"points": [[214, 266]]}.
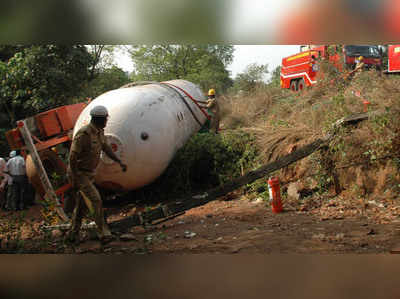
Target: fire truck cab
{"points": [[300, 70]]}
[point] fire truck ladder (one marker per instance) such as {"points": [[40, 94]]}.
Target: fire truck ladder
{"points": [[48, 187]]}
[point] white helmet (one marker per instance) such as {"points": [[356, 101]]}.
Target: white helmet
{"points": [[99, 111]]}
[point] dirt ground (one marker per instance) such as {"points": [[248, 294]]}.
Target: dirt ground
{"points": [[238, 225]]}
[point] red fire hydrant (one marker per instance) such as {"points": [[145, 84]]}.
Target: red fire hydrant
{"points": [[366, 104], [275, 195]]}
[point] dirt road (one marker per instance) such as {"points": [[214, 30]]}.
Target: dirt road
{"points": [[242, 226], [235, 226]]}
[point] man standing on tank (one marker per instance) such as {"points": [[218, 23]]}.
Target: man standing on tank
{"points": [[84, 158]]}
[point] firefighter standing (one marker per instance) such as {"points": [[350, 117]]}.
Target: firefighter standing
{"points": [[359, 66], [213, 110], [357, 69], [84, 157]]}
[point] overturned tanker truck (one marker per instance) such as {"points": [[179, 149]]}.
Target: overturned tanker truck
{"points": [[148, 123]]}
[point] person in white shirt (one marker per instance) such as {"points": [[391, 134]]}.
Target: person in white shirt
{"points": [[17, 171], [5, 181]]}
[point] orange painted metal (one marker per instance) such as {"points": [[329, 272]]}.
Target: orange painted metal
{"points": [[58, 120], [68, 115], [48, 123], [63, 189], [61, 192], [52, 142], [52, 126], [14, 139]]}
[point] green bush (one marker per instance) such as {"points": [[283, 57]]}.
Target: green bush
{"points": [[206, 161]]}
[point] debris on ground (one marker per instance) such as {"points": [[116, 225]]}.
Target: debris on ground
{"points": [[189, 234]]}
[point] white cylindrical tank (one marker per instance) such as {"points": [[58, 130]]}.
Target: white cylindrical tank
{"points": [[147, 124]]}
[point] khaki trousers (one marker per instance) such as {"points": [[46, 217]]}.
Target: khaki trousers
{"points": [[88, 203]]}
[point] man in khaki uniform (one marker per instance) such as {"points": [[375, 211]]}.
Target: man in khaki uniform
{"points": [[213, 110], [84, 157]]}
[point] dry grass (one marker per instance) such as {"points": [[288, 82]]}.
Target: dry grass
{"points": [[283, 121], [246, 110]]}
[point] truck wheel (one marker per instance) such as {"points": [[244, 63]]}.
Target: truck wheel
{"points": [[301, 85], [51, 163], [293, 85]]}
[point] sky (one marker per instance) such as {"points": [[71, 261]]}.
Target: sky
{"points": [[260, 54], [244, 55]]}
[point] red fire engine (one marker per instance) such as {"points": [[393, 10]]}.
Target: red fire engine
{"points": [[300, 70], [393, 59]]}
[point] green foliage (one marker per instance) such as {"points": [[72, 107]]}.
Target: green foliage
{"points": [[106, 79], [202, 64], [102, 57], [321, 172], [259, 188], [8, 51], [276, 77], [251, 77], [35, 78], [42, 77], [4, 149], [206, 161], [224, 155]]}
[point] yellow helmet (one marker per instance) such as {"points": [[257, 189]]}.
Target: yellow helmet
{"points": [[211, 92], [361, 58]]}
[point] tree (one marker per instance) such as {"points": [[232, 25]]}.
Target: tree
{"points": [[276, 76], [8, 51], [202, 64], [102, 58], [41, 77], [106, 79], [252, 76]]}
